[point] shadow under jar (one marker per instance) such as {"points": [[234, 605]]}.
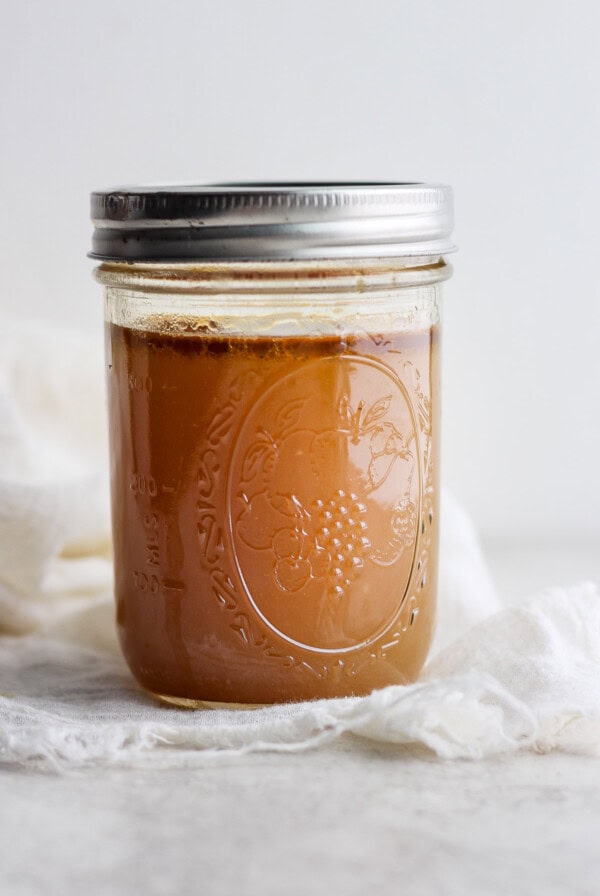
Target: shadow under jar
{"points": [[274, 396]]}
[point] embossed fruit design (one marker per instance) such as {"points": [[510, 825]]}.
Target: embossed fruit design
{"points": [[373, 446], [343, 535], [376, 451], [327, 492], [298, 557], [404, 522], [282, 524]]}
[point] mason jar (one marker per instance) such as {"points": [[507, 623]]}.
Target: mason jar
{"points": [[273, 365]]}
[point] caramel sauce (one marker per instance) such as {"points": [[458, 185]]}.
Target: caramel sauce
{"points": [[274, 511]]}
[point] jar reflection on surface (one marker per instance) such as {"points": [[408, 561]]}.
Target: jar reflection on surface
{"points": [[275, 451]]}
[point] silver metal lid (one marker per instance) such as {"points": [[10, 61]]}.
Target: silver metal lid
{"points": [[270, 221]]}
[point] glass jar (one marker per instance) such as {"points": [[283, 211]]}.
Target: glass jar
{"points": [[274, 400]]}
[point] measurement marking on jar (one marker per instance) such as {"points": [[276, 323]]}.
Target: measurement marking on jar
{"points": [[146, 582], [152, 555], [139, 383], [143, 485], [152, 542], [173, 585], [152, 584]]}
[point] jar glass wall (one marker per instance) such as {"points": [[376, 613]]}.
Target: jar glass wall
{"points": [[274, 434]]}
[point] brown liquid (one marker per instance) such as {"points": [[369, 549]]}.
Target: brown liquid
{"points": [[274, 511]]}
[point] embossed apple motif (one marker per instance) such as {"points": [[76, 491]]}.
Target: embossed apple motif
{"points": [[281, 524], [299, 558], [259, 520]]}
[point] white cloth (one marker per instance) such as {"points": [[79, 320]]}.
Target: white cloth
{"points": [[500, 679], [54, 518]]}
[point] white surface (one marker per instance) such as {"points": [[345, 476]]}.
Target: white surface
{"points": [[497, 98], [346, 819], [336, 822]]}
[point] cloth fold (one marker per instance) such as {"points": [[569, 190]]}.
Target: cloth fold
{"points": [[500, 679], [525, 678], [54, 514]]}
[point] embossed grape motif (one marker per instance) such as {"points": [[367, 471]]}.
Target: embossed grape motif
{"points": [[329, 491]]}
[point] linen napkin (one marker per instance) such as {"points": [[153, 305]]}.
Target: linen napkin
{"points": [[500, 679]]}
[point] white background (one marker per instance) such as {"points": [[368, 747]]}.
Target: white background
{"points": [[500, 99]]}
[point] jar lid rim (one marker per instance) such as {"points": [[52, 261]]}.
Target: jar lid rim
{"points": [[271, 221]]}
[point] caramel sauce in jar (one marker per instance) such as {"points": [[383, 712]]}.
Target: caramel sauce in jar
{"points": [[274, 510], [274, 401]]}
